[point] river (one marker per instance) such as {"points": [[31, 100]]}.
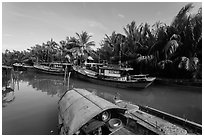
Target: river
{"points": [[30, 101]]}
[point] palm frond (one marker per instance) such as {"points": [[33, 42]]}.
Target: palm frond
{"points": [[182, 15]]}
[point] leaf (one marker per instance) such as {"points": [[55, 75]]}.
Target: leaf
{"points": [[162, 64], [170, 48]]}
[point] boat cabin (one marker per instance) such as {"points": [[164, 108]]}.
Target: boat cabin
{"points": [[83, 113], [93, 66], [114, 71], [57, 66]]}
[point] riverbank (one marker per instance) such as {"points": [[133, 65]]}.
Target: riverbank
{"points": [[6, 67], [182, 82], [159, 80]]}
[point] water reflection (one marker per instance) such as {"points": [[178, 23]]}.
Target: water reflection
{"points": [[34, 103], [181, 101], [29, 97], [52, 85], [8, 82], [7, 96]]}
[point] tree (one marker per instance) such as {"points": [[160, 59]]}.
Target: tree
{"points": [[84, 42], [81, 46], [51, 47]]}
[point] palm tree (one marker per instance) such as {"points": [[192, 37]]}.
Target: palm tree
{"points": [[84, 42], [112, 48], [180, 20], [105, 52], [51, 47], [35, 52], [179, 40], [139, 39], [133, 36], [81, 46]]}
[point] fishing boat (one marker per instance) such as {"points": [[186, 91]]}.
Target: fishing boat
{"points": [[113, 76], [22, 67], [53, 68], [84, 113], [28, 67], [18, 67]]}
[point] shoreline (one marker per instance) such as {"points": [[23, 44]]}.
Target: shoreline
{"points": [[180, 82], [161, 80]]}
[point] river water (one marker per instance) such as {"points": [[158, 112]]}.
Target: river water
{"points": [[31, 107]]}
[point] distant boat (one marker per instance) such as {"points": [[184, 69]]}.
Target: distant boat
{"points": [[18, 67], [84, 113], [53, 68], [113, 76], [22, 67], [28, 67]]}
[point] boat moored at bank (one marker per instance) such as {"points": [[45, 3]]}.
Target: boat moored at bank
{"points": [[84, 113], [113, 76], [53, 68]]}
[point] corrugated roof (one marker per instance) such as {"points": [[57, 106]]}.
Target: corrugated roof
{"points": [[78, 106], [116, 68]]}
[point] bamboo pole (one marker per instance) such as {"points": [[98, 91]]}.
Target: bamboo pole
{"points": [[65, 73], [68, 79]]}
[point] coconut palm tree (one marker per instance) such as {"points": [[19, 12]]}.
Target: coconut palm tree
{"points": [[113, 48], [37, 52], [51, 47], [105, 52], [133, 37], [179, 21], [139, 39], [84, 42], [181, 40], [81, 46]]}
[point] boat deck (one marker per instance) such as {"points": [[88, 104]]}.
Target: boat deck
{"points": [[154, 123], [122, 131]]}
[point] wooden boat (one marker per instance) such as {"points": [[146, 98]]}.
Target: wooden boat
{"points": [[18, 67], [83, 113], [28, 68], [112, 76], [22, 67], [53, 68], [167, 123], [6, 67]]}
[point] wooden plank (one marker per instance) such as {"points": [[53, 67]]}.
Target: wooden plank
{"points": [[160, 124], [122, 131]]}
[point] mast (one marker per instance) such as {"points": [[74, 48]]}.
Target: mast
{"points": [[120, 54]]}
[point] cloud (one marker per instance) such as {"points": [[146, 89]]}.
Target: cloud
{"points": [[158, 13], [7, 35], [121, 15], [91, 33], [96, 24], [18, 14]]}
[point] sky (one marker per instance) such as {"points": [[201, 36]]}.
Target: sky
{"points": [[26, 24]]}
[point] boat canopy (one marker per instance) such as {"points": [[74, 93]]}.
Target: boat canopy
{"points": [[55, 63], [66, 64], [115, 68], [99, 64], [78, 106]]}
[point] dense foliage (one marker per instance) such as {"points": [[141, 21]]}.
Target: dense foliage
{"points": [[173, 50]]}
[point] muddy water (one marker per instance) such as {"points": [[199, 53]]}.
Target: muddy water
{"points": [[29, 101]]}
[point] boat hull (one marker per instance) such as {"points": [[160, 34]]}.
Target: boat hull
{"points": [[167, 123], [50, 72], [18, 68], [120, 84], [82, 113]]}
